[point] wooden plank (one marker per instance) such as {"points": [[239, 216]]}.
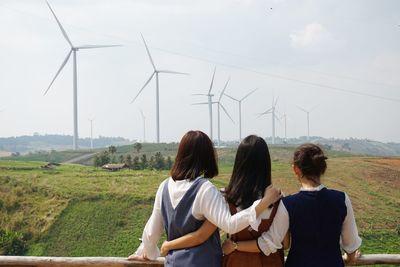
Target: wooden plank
{"points": [[30, 261]]}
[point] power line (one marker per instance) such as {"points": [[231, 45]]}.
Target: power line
{"points": [[272, 75]]}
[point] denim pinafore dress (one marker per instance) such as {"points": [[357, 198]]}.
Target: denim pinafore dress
{"points": [[179, 221]]}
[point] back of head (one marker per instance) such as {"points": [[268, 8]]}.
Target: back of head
{"points": [[310, 159], [251, 172], [195, 157]]}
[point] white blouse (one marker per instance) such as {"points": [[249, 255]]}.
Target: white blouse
{"points": [[208, 204], [270, 241]]}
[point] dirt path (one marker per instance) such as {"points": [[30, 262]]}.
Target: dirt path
{"points": [[80, 158]]}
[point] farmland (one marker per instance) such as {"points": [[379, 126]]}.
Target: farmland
{"points": [[76, 210]]}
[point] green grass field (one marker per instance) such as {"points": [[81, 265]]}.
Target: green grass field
{"points": [[77, 210]]}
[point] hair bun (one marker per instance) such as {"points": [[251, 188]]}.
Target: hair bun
{"points": [[319, 157]]}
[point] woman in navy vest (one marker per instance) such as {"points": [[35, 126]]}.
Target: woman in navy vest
{"points": [[184, 200], [320, 220]]}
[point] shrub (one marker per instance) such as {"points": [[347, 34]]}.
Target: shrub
{"points": [[12, 243]]}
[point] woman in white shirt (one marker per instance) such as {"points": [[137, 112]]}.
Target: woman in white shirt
{"points": [[184, 200]]}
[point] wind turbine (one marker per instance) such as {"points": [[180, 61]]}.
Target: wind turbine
{"points": [[272, 111], [155, 72], [285, 118], [73, 51], [219, 105], [209, 96], [144, 125], [308, 120], [240, 110], [91, 133]]}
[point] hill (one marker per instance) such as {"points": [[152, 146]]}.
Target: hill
{"points": [[76, 210], [48, 142]]}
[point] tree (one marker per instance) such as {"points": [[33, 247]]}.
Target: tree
{"points": [[159, 162], [151, 163], [169, 163], [101, 159], [137, 147], [128, 160], [136, 164], [121, 159], [143, 162], [112, 149]]}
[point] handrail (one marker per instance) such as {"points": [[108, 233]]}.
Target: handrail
{"points": [[32, 261]]}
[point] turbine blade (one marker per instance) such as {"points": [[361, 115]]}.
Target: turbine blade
{"points": [[246, 96], [59, 70], [231, 97], [95, 46], [226, 112], [212, 80], [148, 53], [59, 25], [202, 103], [313, 108], [147, 82], [265, 112], [276, 101], [201, 94], [222, 93], [302, 109], [141, 112], [173, 72]]}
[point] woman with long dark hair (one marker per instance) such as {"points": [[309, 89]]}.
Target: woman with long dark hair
{"points": [[250, 177], [187, 198]]}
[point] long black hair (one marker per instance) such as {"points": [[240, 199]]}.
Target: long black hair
{"points": [[251, 173]]}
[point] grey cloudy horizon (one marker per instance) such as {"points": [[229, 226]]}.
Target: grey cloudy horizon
{"points": [[341, 58]]}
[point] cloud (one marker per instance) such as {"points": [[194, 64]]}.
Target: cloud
{"points": [[312, 35]]}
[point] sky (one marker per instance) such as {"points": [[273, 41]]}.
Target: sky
{"points": [[340, 59]]}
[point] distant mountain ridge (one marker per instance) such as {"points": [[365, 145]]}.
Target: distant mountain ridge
{"points": [[37, 142], [352, 145]]}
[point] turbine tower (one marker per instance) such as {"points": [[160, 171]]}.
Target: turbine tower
{"points": [[285, 118], [156, 72], [73, 51], [144, 125], [308, 120], [219, 105], [240, 110], [210, 102], [91, 133], [272, 111]]}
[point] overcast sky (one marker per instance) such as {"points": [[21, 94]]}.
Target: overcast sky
{"points": [[341, 58]]}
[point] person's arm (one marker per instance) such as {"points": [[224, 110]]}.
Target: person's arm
{"points": [[210, 204], [189, 240], [350, 240], [246, 246], [270, 241], [148, 249], [249, 246], [286, 241]]}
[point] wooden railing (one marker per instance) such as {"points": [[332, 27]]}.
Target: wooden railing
{"points": [[17, 261]]}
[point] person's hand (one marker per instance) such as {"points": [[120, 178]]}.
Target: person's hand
{"points": [[228, 247], [164, 249], [352, 257], [272, 194], [135, 257]]}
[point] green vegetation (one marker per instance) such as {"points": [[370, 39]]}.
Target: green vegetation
{"points": [[76, 210]]}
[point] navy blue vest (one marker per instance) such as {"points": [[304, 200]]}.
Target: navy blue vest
{"points": [[315, 225], [179, 222]]}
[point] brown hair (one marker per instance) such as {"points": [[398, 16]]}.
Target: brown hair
{"points": [[310, 159], [196, 156]]}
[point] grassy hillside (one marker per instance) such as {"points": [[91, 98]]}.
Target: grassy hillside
{"points": [[76, 210]]}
